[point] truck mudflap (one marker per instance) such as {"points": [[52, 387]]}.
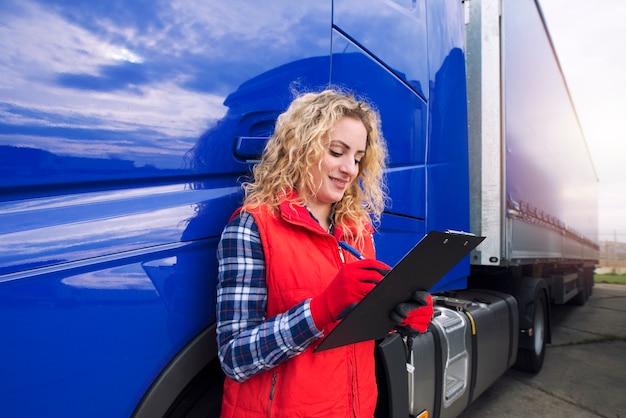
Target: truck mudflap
{"points": [[470, 343], [393, 397]]}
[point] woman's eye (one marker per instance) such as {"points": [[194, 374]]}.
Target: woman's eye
{"points": [[335, 153], [357, 162]]}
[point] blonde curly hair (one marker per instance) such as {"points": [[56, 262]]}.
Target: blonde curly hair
{"points": [[299, 143]]}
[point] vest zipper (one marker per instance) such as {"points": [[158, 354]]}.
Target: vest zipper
{"points": [[353, 385], [272, 391], [343, 259]]}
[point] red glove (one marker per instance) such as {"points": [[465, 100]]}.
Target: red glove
{"points": [[414, 316], [351, 284]]}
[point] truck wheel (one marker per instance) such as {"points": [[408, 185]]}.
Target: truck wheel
{"points": [[581, 297], [531, 360], [589, 275]]}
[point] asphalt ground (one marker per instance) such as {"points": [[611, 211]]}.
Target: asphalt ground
{"points": [[584, 371]]}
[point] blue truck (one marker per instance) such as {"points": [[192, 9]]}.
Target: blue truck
{"points": [[127, 127]]}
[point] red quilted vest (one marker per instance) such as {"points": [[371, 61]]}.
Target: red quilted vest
{"points": [[302, 260]]}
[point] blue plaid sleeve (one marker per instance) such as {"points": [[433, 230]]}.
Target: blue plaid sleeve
{"points": [[248, 342]]}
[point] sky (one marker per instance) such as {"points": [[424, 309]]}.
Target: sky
{"points": [[589, 40]]}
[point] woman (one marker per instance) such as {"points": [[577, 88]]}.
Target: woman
{"points": [[283, 278]]}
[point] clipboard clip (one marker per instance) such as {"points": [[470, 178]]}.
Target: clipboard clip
{"points": [[452, 231]]}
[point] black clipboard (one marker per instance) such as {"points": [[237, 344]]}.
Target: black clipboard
{"points": [[420, 269]]}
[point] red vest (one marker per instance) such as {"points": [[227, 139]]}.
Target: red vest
{"points": [[302, 259]]}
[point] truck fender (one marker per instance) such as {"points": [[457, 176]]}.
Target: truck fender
{"points": [[163, 394]]}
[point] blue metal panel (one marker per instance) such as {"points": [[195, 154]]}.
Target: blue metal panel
{"points": [[428, 167], [107, 90], [403, 116], [118, 170], [397, 237], [44, 232], [428, 183], [99, 291], [393, 31], [447, 185], [89, 341]]}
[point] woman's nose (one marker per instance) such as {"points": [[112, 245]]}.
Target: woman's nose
{"points": [[350, 167]]}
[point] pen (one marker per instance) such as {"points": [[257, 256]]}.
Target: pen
{"points": [[351, 250]]}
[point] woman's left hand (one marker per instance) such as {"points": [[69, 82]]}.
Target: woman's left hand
{"points": [[414, 316]]}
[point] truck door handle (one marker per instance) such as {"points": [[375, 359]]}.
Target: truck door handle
{"points": [[250, 148]]}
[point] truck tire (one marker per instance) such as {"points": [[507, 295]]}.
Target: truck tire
{"points": [[589, 280], [581, 297], [590, 284], [585, 286], [531, 360]]}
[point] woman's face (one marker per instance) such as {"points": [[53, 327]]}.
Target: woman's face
{"points": [[340, 164]]}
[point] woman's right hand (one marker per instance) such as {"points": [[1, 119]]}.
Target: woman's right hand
{"points": [[352, 283]]}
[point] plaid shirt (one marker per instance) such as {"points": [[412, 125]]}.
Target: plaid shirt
{"points": [[248, 342]]}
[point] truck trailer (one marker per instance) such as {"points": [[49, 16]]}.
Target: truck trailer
{"points": [[126, 129]]}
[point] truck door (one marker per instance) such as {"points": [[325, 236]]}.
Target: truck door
{"points": [[380, 51]]}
